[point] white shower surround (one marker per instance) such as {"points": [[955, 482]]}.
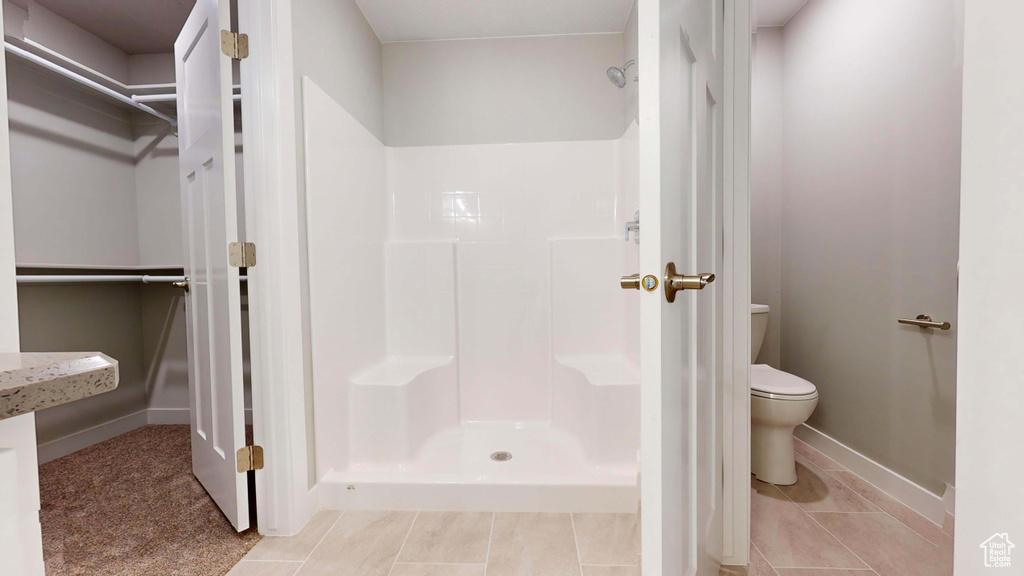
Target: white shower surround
{"points": [[463, 302]]}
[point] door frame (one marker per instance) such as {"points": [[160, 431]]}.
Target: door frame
{"points": [[988, 463], [739, 27], [286, 492]]}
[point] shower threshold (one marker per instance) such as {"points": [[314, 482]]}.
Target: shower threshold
{"points": [[454, 471]]}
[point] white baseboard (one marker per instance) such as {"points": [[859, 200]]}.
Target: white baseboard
{"points": [[918, 498], [180, 416], [165, 416], [79, 440], [949, 500], [75, 442]]}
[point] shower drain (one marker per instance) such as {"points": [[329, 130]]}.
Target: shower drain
{"points": [[501, 456]]}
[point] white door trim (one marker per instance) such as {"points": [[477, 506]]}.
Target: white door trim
{"points": [[736, 273], [989, 455], [285, 494]]}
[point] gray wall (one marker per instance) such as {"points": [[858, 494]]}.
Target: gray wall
{"points": [[96, 184], [766, 187], [73, 173], [871, 159], [536, 89], [60, 35], [163, 347], [9, 339], [157, 190], [104, 317], [151, 68], [157, 193], [165, 356], [335, 46], [73, 178]]}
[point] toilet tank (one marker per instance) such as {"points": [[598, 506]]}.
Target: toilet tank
{"points": [[758, 326]]}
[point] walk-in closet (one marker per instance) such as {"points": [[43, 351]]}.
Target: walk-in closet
{"points": [[99, 249]]}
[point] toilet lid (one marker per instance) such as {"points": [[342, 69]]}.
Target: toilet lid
{"points": [[764, 378]]}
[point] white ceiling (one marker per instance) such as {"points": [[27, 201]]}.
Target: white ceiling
{"points": [[777, 12], [135, 27], [411, 20]]}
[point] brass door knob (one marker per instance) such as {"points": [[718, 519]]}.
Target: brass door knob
{"points": [[678, 282], [183, 285]]}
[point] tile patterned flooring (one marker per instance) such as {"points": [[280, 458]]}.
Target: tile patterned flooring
{"points": [[833, 523], [377, 543], [830, 523]]}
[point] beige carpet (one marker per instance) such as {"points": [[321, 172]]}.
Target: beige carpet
{"points": [[130, 506]]}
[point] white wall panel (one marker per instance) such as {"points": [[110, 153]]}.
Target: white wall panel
{"points": [[990, 398], [421, 299], [347, 226], [504, 331], [627, 205], [587, 307], [495, 192]]}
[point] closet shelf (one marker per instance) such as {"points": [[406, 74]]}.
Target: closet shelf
{"points": [[79, 78], [33, 47], [135, 269], [139, 94], [101, 279]]}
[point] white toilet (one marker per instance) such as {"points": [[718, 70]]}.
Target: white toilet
{"points": [[779, 402]]}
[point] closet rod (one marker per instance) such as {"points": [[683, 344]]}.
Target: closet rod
{"points": [[85, 81], [169, 98], [99, 279]]}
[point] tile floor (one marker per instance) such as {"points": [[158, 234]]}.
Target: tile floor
{"points": [[362, 543], [833, 523], [830, 523]]}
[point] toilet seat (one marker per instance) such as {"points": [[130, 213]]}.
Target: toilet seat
{"points": [[767, 382]]}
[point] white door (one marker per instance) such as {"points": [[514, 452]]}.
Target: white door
{"points": [[208, 197], [681, 83]]}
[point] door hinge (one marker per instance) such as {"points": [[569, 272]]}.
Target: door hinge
{"points": [[234, 45], [242, 254], [250, 458]]}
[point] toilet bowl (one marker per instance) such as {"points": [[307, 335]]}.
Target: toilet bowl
{"points": [[779, 402]]}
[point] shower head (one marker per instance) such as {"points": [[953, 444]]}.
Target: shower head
{"points": [[618, 75]]}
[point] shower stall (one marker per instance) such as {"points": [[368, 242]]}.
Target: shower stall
{"points": [[471, 348]]}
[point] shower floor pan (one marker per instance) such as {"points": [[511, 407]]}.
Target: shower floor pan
{"points": [[455, 471]]}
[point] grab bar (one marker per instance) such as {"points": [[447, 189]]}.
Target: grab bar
{"points": [[924, 321]]}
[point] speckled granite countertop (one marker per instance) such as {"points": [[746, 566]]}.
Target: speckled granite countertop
{"points": [[36, 380]]}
